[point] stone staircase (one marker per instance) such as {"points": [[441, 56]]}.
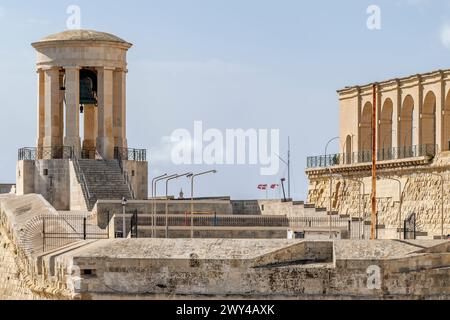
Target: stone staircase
{"points": [[104, 180]]}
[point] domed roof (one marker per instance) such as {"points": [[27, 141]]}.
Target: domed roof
{"points": [[82, 35]]}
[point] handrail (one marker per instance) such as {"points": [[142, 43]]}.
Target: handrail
{"points": [[125, 175], [81, 175]]}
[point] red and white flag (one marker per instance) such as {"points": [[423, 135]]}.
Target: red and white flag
{"points": [[274, 186], [262, 187]]}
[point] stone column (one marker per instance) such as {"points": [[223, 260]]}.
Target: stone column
{"points": [[105, 138], [41, 108], [72, 138], [440, 114], [90, 129], [52, 136], [397, 106], [120, 136], [418, 103]]}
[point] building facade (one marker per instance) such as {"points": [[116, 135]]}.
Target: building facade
{"points": [[412, 117]]}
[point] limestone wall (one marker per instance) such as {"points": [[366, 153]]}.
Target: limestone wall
{"points": [[421, 194], [12, 283], [21, 243], [173, 269], [215, 269], [138, 172]]}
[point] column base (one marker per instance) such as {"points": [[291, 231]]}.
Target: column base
{"points": [[73, 142], [105, 146]]}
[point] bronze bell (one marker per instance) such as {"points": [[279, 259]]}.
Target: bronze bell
{"points": [[88, 87]]}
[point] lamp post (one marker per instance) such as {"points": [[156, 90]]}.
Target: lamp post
{"points": [[360, 199], [326, 148], [124, 229], [154, 203], [153, 200], [167, 198], [442, 202], [401, 203], [331, 181], [192, 177]]}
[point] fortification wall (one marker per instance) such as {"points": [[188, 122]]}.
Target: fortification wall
{"points": [[191, 268], [174, 269], [13, 285]]}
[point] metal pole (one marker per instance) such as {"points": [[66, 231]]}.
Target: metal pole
{"points": [[331, 182], [153, 204], [192, 177], [442, 208], [326, 149], [400, 198], [374, 164], [84, 228], [123, 222], [173, 177], [154, 201], [289, 168], [192, 207], [330, 204], [400, 209]]}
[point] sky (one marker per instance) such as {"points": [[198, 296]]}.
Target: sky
{"points": [[254, 64]]}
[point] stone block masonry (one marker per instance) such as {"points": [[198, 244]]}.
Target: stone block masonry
{"points": [[211, 268], [421, 195]]}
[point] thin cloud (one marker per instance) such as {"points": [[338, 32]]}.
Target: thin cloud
{"points": [[445, 35], [2, 12]]}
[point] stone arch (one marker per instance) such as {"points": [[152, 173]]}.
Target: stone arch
{"points": [[428, 120], [446, 124], [385, 126], [406, 123], [365, 136]]}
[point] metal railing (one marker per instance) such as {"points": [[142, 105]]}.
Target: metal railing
{"points": [[81, 177], [211, 222], [61, 230], [126, 154], [41, 153], [386, 154], [126, 176]]}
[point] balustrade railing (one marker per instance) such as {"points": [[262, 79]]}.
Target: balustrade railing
{"points": [[360, 157], [45, 153], [125, 154]]}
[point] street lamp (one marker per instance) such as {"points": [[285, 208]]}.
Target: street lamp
{"points": [[326, 148], [124, 203], [167, 197], [361, 196], [154, 220], [442, 202], [192, 177], [331, 179], [153, 197], [401, 202]]}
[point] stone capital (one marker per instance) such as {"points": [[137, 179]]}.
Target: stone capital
{"points": [[72, 68]]}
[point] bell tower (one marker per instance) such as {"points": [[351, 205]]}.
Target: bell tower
{"points": [[82, 71], [81, 113]]}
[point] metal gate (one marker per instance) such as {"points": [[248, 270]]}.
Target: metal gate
{"points": [[410, 227], [59, 231]]}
